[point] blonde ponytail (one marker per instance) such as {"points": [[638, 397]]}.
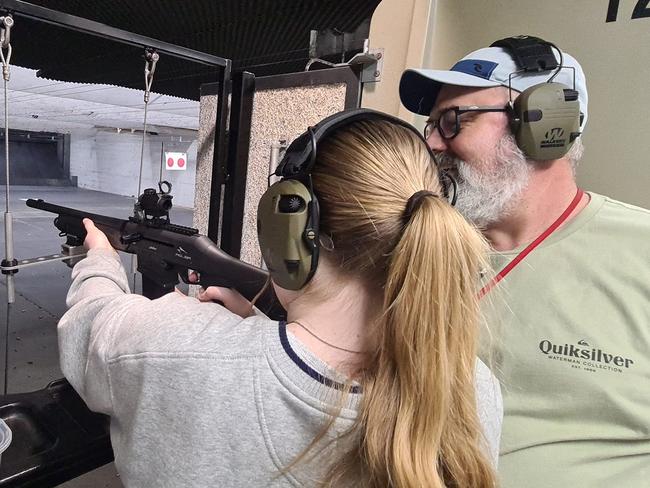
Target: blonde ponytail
{"points": [[424, 372], [417, 425]]}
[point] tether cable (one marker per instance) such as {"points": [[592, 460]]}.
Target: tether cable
{"points": [[150, 59]]}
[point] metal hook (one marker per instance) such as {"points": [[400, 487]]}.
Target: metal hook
{"points": [[151, 57], [5, 35], [5, 30]]}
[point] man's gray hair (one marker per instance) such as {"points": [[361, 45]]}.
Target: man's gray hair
{"points": [[575, 154]]}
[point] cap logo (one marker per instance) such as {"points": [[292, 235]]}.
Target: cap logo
{"points": [[475, 67]]}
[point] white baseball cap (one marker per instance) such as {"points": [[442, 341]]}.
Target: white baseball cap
{"points": [[484, 68]]}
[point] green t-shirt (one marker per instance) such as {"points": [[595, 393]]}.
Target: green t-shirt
{"points": [[570, 341]]}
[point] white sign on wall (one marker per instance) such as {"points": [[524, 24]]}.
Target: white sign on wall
{"points": [[176, 161]]}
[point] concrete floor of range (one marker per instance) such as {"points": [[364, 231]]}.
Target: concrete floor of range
{"points": [[32, 360]]}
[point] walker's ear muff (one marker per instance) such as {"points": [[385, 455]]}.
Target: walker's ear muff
{"points": [[287, 228], [288, 212], [545, 118]]}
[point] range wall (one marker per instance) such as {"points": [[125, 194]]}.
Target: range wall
{"points": [[110, 162]]}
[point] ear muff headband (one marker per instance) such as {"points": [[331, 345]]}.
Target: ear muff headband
{"points": [[544, 118], [288, 212]]}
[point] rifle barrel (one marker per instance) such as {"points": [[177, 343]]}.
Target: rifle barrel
{"points": [[58, 209]]}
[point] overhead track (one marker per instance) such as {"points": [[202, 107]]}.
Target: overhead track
{"points": [[19, 8]]}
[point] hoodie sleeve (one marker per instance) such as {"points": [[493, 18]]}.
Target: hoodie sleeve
{"points": [[98, 297]]}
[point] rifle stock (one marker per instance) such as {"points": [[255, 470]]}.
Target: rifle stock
{"points": [[166, 251]]}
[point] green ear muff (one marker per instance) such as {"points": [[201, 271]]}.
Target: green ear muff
{"points": [[287, 234], [545, 120]]}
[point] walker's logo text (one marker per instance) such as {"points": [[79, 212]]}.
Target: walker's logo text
{"points": [[586, 357], [554, 138]]}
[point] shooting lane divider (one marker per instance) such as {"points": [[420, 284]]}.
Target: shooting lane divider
{"points": [[5, 35]]}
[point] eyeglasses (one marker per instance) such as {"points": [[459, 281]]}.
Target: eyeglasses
{"points": [[448, 122]]}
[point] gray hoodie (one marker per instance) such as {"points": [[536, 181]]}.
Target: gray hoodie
{"points": [[199, 396]]}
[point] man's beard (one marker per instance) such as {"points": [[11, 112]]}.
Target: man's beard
{"points": [[488, 189]]}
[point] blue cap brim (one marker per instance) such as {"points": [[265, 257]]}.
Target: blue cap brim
{"points": [[419, 88]]}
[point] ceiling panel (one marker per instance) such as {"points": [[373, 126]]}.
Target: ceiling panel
{"points": [[261, 36]]}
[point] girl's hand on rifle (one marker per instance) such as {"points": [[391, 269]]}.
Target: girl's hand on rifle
{"points": [[95, 238], [229, 298]]}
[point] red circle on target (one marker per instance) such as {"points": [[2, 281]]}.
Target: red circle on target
{"points": [[181, 162], [170, 162]]}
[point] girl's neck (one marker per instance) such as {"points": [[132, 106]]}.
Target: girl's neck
{"points": [[330, 320]]}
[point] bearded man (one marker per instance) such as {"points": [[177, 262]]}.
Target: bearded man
{"points": [[568, 299]]}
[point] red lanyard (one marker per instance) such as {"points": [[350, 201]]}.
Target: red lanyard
{"points": [[520, 257]]}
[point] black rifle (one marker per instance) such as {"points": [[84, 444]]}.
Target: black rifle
{"points": [[166, 251]]}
